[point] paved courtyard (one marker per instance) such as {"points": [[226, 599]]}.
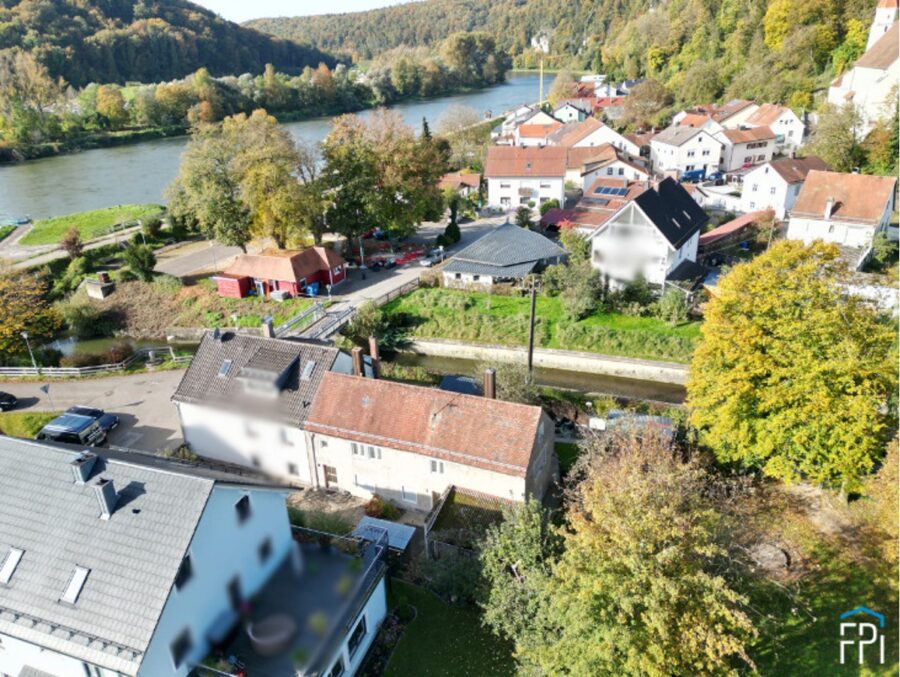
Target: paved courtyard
{"points": [[149, 421]]}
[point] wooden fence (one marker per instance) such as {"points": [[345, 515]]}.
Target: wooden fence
{"points": [[69, 372]]}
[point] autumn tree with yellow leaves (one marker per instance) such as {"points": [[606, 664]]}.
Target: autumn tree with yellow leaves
{"points": [[23, 307], [793, 375]]}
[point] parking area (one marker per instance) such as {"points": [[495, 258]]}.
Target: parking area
{"points": [[148, 419]]}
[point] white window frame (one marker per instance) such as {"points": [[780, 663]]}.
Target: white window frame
{"points": [[403, 495]]}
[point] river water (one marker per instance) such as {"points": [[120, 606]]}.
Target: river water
{"points": [[106, 177]]}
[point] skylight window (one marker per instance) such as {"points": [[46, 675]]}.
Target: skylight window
{"points": [[307, 370], [10, 562], [225, 368], [76, 583]]}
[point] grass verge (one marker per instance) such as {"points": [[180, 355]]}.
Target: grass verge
{"points": [[444, 640], [25, 424], [6, 231], [478, 317], [91, 224]]}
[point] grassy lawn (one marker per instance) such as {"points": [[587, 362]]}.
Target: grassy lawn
{"points": [[91, 224], [25, 424], [444, 640], [833, 569], [479, 317], [6, 231]]}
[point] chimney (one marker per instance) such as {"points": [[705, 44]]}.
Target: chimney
{"points": [[357, 357], [106, 497], [217, 335], [82, 466], [376, 357], [268, 330], [829, 207], [490, 384]]}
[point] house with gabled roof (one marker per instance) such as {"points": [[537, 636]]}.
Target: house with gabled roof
{"points": [[409, 443], [602, 199], [516, 176], [124, 563], [289, 271], [573, 110], [655, 234], [244, 400], [506, 254], [846, 209], [590, 132], [745, 147], [608, 162], [775, 185], [788, 127], [677, 149]]}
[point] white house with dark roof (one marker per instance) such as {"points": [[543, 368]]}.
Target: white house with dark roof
{"points": [[244, 399], [679, 149], [506, 254], [128, 564], [776, 184], [408, 443], [654, 234]]}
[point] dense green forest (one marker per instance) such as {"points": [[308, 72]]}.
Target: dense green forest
{"points": [[777, 50], [107, 41]]}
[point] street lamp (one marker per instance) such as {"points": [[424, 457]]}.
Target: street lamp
{"points": [[28, 345]]}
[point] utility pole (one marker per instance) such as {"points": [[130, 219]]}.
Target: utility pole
{"points": [[531, 332]]}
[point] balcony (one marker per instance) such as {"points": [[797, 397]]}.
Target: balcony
{"points": [[297, 622]]}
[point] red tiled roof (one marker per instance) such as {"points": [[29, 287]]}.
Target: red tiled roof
{"points": [[888, 4], [466, 429], [457, 180], [572, 133], [766, 115], [503, 161], [734, 226], [591, 212], [729, 109], [286, 265], [694, 120], [857, 197], [538, 131], [556, 215]]}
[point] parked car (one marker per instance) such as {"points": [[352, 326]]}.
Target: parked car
{"points": [[7, 401], [693, 176], [427, 261], [107, 421], [74, 429]]}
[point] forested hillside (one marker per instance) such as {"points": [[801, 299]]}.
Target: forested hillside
{"points": [[149, 40], [778, 50]]}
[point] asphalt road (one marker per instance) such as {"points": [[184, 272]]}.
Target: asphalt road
{"points": [[148, 419], [195, 258]]}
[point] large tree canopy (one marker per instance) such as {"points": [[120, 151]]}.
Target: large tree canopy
{"points": [[793, 375]]}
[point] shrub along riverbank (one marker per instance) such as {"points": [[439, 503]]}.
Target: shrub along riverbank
{"points": [[480, 317]]}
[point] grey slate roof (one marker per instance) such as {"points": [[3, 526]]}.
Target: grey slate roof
{"points": [[673, 211], [202, 384], [507, 251], [677, 135], [133, 556]]}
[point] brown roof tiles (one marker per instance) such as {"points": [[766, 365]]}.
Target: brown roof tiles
{"points": [[476, 431], [857, 197], [537, 161], [884, 52], [794, 170]]}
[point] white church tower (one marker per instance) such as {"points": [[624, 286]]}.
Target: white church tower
{"points": [[886, 13]]}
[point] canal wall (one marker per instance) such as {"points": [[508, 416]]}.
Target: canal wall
{"points": [[567, 360]]}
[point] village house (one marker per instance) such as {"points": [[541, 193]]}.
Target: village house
{"points": [[244, 399], [776, 184], [873, 78], [506, 254], [516, 117], [285, 271], [609, 162], [590, 132], [846, 209], [573, 110], [464, 183], [886, 14], [787, 127], [731, 115], [408, 443], [655, 234], [122, 563], [517, 176], [534, 133], [742, 148], [676, 150], [700, 121]]}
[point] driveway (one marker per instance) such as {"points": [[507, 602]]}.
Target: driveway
{"points": [[148, 419], [194, 258]]}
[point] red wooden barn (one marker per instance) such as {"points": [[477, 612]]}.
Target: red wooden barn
{"points": [[282, 270]]}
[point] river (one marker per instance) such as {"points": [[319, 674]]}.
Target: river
{"points": [[106, 177]]}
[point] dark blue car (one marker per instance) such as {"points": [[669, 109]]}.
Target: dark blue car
{"points": [[108, 422]]}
